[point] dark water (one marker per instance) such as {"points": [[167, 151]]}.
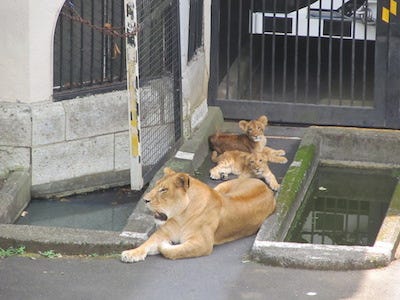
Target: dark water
{"points": [[343, 206], [101, 210]]}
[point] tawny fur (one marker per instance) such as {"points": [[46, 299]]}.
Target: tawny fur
{"points": [[246, 164], [197, 217], [252, 140]]}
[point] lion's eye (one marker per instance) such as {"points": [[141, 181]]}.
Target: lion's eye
{"points": [[163, 190]]}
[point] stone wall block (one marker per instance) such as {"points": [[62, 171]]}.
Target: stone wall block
{"points": [[48, 123], [72, 159], [96, 115], [15, 125], [14, 158], [122, 152]]}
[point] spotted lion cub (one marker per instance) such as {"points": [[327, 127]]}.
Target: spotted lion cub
{"points": [[246, 164]]}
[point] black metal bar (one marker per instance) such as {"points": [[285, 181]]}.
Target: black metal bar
{"points": [[81, 48], [262, 54], [353, 55], [273, 52], [112, 43], [61, 56], [239, 46], [307, 79], [71, 55], [285, 46], [251, 49], [330, 54], [341, 56], [296, 54], [228, 40], [364, 86], [122, 70], [92, 45], [319, 53], [103, 53], [93, 90]]}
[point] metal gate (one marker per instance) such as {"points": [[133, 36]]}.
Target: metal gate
{"points": [[154, 82], [306, 61]]}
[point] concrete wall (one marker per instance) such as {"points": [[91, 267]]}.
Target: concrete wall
{"points": [[80, 143], [67, 140], [195, 73]]}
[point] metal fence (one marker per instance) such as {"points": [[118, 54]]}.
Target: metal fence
{"points": [[159, 81], [89, 48], [303, 61]]}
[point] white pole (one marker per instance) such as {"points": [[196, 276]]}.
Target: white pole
{"points": [[133, 103]]}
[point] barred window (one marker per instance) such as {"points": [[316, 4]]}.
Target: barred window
{"points": [[195, 27], [89, 48]]}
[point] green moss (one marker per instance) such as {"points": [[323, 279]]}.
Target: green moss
{"points": [[394, 208], [294, 178]]}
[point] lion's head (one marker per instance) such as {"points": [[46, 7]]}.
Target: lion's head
{"points": [[258, 163], [254, 128], [168, 197]]}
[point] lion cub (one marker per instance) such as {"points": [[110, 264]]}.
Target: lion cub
{"points": [[247, 165], [253, 140]]}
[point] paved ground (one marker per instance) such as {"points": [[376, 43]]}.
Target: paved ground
{"points": [[225, 274]]}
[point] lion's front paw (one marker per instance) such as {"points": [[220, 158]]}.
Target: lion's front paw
{"points": [[280, 152], [130, 256], [215, 175]]}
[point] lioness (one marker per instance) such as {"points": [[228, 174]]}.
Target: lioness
{"points": [[247, 165], [253, 139], [196, 217]]}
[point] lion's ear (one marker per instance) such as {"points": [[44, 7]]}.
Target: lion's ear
{"points": [[264, 120], [168, 171], [243, 125], [183, 180]]}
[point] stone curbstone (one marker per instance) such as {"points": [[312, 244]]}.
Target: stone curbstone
{"points": [[15, 195]]}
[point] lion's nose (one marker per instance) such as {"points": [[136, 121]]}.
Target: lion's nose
{"points": [[146, 200]]}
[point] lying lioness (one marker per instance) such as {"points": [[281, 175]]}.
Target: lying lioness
{"points": [[247, 165], [196, 217], [253, 140]]}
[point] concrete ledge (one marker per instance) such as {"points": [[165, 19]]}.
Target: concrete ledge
{"points": [[64, 240], [351, 147], [320, 257], [15, 195]]}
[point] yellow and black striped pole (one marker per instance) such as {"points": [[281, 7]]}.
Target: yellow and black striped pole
{"points": [[133, 103]]}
